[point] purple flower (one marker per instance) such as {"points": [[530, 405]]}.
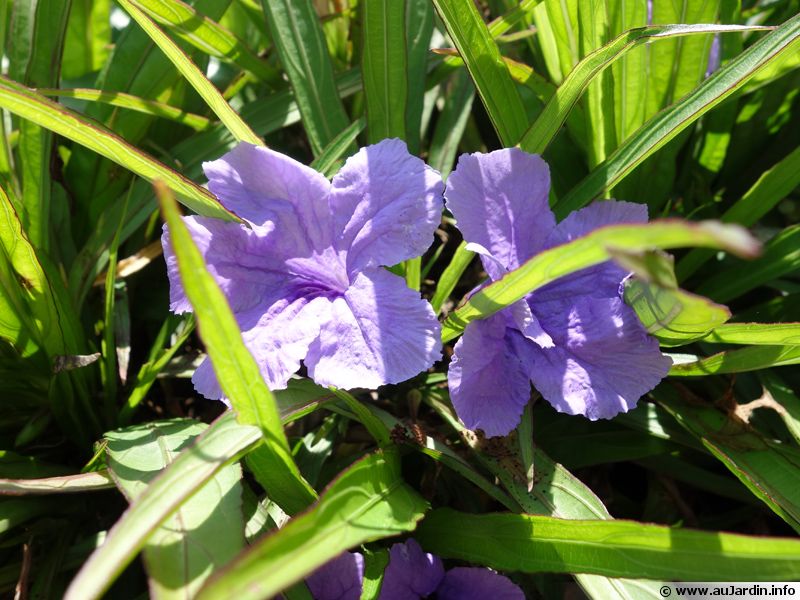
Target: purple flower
{"points": [[339, 579], [575, 339], [412, 574], [303, 275]]}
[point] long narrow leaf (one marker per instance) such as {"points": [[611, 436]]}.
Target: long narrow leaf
{"points": [[535, 544], [589, 250], [38, 109], [670, 122], [490, 74], [194, 76]]}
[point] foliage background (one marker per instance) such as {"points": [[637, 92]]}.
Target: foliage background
{"points": [[101, 98]]}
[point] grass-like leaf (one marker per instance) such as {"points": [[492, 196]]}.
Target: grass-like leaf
{"points": [[782, 334], [490, 74], [303, 52], [589, 250], [64, 484], [544, 129], [38, 109], [368, 501], [194, 76], [752, 358], [671, 121], [535, 544], [208, 36]]}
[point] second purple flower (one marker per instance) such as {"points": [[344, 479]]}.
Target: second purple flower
{"points": [[575, 339], [304, 275]]}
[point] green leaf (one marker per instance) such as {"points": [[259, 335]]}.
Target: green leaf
{"points": [[205, 532], [64, 484], [38, 109], [544, 129], [536, 544], [329, 160], [367, 502], [673, 316], [766, 467], [236, 369], [670, 122], [486, 67], [781, 256], [783, 334], [752, 358], [221, 444], [235, 124], [148, 107], [302, 50], [451, 274], [207, 35], [451, 123], [592, 249], [383, 68]]}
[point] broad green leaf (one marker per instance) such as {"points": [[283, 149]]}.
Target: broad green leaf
{"points": [[194, 76], [221, 444], [38, 31], [766, 467], [486, 67], [384, 68], [782, 334], [207, 35], [367, 502], [772, 187], [781, 256], [302, 50], [592, 249], [751, 358], [64, 484], [205, 532], [543, 130], [236, 369], [670, 122], [123, 100], [38, 109], [536, 544]]}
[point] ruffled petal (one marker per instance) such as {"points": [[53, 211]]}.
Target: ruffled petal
{"points": [[603, 360], [379, 332], [264, 186], [238, 258], [339, 579], [472, 583], [386, 205], [411, 574], [500, 202], [489, 386], [600, 281], [278, 339]]}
